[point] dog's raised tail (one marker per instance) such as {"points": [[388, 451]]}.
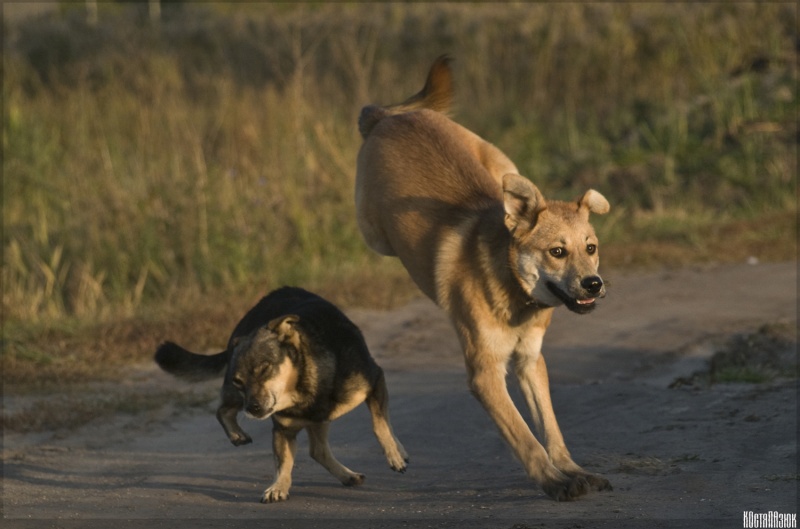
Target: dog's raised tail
{"points": [[184, 364], [437, 94]]}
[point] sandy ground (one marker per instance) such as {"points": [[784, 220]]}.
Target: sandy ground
{"points": [[692, 456]]}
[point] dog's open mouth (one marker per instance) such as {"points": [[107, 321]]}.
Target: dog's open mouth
{"points": [[259, 413], [579, 306]]}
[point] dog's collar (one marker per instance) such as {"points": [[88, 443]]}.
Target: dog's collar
{"points": [[534, 304], [526, 297]]}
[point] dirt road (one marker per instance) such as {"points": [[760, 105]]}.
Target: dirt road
{"points": [[697, 455]]}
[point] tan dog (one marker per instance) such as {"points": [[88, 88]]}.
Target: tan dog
{"points": [[482, 242]]}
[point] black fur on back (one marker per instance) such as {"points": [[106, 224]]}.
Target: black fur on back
{"points": [[330, 340], [326, 332], [320, 321]]}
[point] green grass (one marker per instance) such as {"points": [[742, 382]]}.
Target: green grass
{"points": [[768, 354], [214, 156], [744, 374]]}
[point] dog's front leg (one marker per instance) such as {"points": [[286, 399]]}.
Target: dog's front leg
{"points": [[531, 371], [486, 370], [232, 403], [284, 448]]}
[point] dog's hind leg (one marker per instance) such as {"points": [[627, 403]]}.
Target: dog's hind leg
{"points": [[368, 223], [284, 448], [378, 404], [531, 371], [320, 451]]}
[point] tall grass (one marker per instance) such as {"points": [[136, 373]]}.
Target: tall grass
{"points": [[217, 150]]}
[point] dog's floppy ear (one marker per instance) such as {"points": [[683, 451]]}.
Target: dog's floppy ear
{"points": [[284, 328], [522, 201], [594, 202]]}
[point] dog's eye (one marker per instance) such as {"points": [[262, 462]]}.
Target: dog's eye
{"points": [[558, 253], [591, 249], [237, 383]]}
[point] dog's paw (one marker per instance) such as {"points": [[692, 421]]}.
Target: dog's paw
{"points": [[399, 465], [239, 439], [274, 494], [354, 480], [397, 458], [566, 489], [597, 482]]}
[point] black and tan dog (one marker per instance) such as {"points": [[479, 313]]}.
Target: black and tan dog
{"points": [[483, 243], [298, 359]]}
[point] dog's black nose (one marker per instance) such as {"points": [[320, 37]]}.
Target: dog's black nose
{"points": [[592, 284], [254, 409]]}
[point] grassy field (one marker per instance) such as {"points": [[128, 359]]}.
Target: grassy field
{"points": [[158, 179]]}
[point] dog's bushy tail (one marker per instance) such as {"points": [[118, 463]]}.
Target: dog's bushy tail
{"points": [[181, 363], [437, 94]]}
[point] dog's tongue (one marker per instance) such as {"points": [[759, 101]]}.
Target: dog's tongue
{"points": [[585, 301]]}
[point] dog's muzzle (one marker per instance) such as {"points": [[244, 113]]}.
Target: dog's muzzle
{"points": [[592, 287], [256, 411]]}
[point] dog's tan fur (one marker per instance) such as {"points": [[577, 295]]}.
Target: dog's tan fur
{"points": [[484, 244]]}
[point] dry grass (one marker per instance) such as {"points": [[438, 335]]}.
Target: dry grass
{"points": [[665, 242], [158, 181], [78, 408], [41, 356]]}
